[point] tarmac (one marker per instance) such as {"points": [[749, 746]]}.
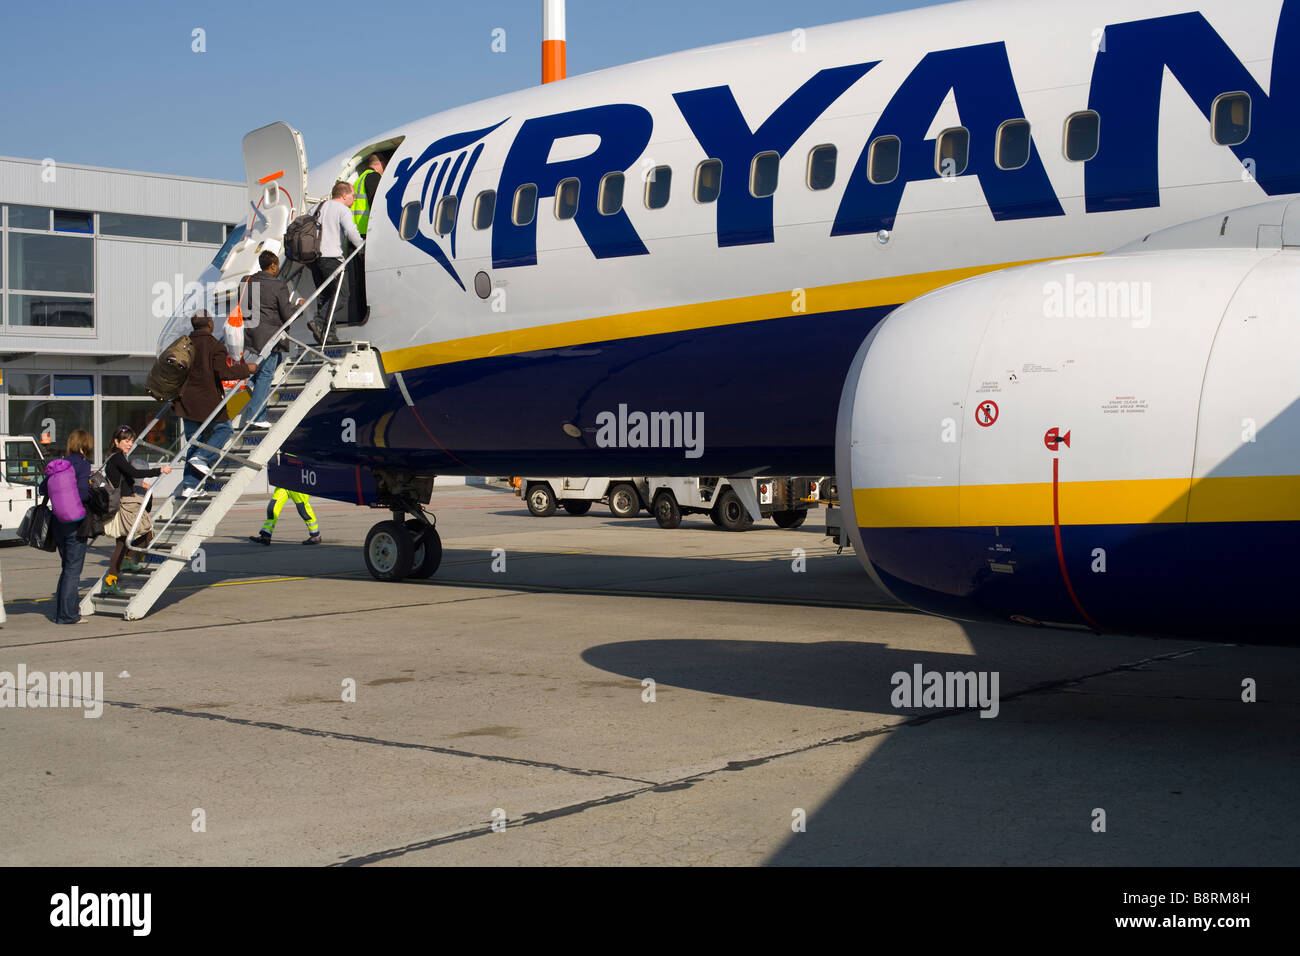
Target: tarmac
{"points": [[589, 690]]}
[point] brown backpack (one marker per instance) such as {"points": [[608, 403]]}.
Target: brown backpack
{"points": [[170, 370]]}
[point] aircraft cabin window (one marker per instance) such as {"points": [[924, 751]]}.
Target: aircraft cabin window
{"points": [[952, 151], [1230, 118], [609, 198], [882, 159], [821, 167], [485, 205], [708, 180], [409, 224], [525, 205], [444, 216], [658, 185], [763, 172], [566, 198], [1082, 136], [1013, 144]]}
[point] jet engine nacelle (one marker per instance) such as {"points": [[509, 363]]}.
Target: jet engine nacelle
{"points": [[1110, 442]]}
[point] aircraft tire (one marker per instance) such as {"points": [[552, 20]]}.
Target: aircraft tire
{"points": [[541, 500], [389, 551], [427, 555], [666, 511], [624, 502], [732, 515], [576, 507], [790, 519]]}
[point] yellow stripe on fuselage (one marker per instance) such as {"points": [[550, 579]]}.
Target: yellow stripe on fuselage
{"points": [[1136, 501], [869, 293]]}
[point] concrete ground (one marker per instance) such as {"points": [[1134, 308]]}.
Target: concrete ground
{"points": [[519, 696]]}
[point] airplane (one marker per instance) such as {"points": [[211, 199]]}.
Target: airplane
{"points": [[1021, 275]]}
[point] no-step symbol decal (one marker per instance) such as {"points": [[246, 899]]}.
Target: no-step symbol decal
{"points": [[986, 413]]}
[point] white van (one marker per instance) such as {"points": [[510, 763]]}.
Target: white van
{"points": [[22, 468], [625, 496]]}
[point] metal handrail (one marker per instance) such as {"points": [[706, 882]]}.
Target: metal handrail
{"points": [[281, 373]]}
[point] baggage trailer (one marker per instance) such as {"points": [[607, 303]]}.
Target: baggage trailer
{"points": [[785, 500], [625, 496], [21, 469]]}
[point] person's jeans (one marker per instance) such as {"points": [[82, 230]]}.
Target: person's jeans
{"points": [[321, 270], [261, 387], [218, 434], [73, 552]]}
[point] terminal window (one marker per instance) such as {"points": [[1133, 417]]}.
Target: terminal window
{"points": [[139, 227], [48, 279]]}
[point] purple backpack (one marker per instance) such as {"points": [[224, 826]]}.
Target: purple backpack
{"points": [[65, 497]]}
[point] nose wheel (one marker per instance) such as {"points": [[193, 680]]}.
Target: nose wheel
{"points": [[397, 550]]}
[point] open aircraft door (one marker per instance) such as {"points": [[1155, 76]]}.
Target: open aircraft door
{"points": [[276, 165]]}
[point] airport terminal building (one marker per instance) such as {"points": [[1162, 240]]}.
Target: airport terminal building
{"points": [[92, 262]]}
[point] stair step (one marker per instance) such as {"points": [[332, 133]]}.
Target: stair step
{"points": [[114, 603]]}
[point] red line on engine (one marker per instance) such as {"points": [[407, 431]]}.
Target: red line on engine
{"points": [[1060, 553]]}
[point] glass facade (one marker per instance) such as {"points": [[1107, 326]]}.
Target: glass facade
{"points": [[50, 406], [139, 227], [213, 233]]}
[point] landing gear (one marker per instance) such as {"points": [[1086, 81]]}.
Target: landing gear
{"points": [[408, 546], [427, 554], [389, 551], [577, 507]]}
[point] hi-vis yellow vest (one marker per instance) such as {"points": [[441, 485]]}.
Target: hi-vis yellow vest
{"points": [[360, 204]]}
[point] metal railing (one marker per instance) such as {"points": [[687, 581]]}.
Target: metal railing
{"points": [[187, 443]]}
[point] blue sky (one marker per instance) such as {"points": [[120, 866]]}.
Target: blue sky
{"points": [[118, 84]]}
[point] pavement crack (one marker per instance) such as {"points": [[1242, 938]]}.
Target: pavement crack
{"points": [[373, 741], [685, 783]]}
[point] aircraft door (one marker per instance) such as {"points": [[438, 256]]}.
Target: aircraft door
{"points": [[276, 166]]}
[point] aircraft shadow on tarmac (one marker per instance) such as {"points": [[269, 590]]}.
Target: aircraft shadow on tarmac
{"points": [[1186, 773]]}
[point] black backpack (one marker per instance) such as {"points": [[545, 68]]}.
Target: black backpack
{"points": [[302, 238]]}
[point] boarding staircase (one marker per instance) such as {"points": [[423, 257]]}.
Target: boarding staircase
{"points": [[181, 525]]}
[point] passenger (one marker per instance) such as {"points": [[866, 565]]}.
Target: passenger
{"points": [[273, 507], [201, 395], [336, 228], [122, 475], [73, 535], [364, 189], [271, 294]]}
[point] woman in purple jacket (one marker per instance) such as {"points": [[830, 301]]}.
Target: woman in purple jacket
{"points": [[73, 536]]}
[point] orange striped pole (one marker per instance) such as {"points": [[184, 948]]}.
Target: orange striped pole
{"points": [[553, 66]]}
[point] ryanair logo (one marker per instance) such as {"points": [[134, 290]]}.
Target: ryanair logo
{"points": [[1126, 91], [443, 169]]}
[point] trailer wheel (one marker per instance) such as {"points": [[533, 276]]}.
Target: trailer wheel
{"points": [[389, 551], [427, 555], [789, 519], [732, 515], [666, 511], [624, 502], [541, 500], [576, 507]]}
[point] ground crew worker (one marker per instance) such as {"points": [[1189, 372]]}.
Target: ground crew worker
{"points": [[303, 501], [365, 188]]}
